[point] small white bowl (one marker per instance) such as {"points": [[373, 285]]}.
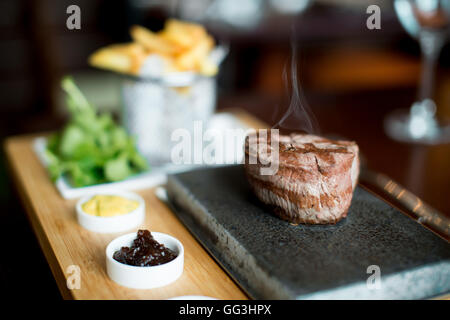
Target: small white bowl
{"points": [[119, 223], [144, 277]]}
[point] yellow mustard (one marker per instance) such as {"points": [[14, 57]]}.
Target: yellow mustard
{"points": [[109, 206]]}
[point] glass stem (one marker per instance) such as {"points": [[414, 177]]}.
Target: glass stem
{"points": [[431, 44]]}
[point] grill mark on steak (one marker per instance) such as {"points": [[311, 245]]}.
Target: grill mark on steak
{"points": [[302, 200], [310, 147], [318, 167]]}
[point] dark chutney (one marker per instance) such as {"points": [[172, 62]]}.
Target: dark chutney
{"points": [[144, 252]]}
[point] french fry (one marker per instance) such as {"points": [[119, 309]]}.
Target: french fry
{"points": [[137, 54], [191, 59], [183, 46], [153, 42], [184, 34], [124, 58]]}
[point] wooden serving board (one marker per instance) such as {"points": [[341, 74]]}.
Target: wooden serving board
{"points": [[65, 243]]}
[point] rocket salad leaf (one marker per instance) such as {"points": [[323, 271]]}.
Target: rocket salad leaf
{"points": [[92, 148]]}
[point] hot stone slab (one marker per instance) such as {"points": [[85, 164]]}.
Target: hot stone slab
{"points": [[272, 259]]}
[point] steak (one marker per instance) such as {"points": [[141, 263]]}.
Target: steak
{"points": [[315, 179]]}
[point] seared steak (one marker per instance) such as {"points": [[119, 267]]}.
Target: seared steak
{"points": [[315, 179]]}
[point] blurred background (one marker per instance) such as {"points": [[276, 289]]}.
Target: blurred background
{"points": [[351, 76]]}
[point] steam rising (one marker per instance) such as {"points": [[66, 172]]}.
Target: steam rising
{"points": [[299, 116]]}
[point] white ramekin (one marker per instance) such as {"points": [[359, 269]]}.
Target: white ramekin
{"points": [[144, 277], [120, 223]]}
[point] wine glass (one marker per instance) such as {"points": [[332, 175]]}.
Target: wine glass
{"points": [[429, 22]]}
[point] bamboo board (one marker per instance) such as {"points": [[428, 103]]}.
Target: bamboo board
{"points": [[65, 243]]}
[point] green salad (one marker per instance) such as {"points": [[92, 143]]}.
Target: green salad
{"points": [[92, 148]]}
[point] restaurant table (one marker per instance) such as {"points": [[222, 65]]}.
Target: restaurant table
{"points": [[65, 243]]}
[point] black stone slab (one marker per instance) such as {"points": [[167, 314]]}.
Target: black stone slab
{"points": [[272, 259]]}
